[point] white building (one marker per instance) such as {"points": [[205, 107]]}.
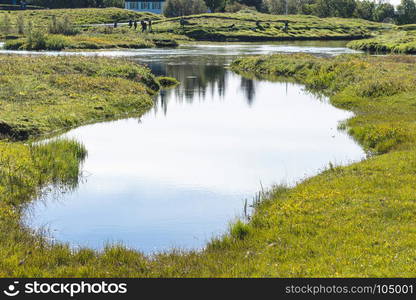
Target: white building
{"points": [[153, 6]]}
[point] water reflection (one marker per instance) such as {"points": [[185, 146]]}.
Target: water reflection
{"points": [[199, 81], [182, 173]]}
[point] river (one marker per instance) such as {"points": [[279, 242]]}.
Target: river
{"points": [[181, 173]]}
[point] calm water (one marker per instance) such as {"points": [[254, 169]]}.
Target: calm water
{"points": [[179, 175]]}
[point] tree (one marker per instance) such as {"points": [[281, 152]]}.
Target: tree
{"points": [[195, 7], [173, 8], [322, 8], [383, 12], [407, 12], [177, 8], [113, 3], [278, 7], [365, 9]]}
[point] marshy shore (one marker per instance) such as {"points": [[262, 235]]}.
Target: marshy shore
{"points": [[348, 221]]}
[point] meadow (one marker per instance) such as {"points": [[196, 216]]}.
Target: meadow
{"points": [[73, 29], [357, 220]]}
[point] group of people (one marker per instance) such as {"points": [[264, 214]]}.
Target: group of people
{"points": [[146, 25]]}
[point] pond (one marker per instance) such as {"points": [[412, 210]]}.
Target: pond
{"points": [[181, 173]]}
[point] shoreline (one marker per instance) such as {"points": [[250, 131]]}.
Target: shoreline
{"points": [[348, 207]]}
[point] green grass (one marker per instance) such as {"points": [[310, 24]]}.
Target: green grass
{"points": [[94, 38], [243, 27], [167, 82], [42, 95], [221, 27], [399, 41], [80, 42], [83, 34]]}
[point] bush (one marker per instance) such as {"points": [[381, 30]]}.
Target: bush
{"points": [[177, 8], [167, 81], [36, 41], [14, 44], [40, 41], [165, 42], [20, 25], [64, 27], [239, 230], [380, 138]]}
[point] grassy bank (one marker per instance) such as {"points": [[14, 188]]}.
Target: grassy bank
{"points": [[77, 16], [74, 29], [251, 26], [247, 26], [400, 41], [39, 95], [357, 220], [122, 38]]}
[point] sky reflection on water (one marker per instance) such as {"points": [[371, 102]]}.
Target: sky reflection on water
{"points": [[180, 174]]}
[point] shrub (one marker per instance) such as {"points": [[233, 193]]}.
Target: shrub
{"points": [[239, 230], [380, 87], [20, 24]]}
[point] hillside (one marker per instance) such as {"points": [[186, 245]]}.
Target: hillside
{"points": [[249, 26]]}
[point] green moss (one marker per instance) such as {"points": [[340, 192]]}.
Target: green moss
{"points": [[251, 26], [167, 81]]}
